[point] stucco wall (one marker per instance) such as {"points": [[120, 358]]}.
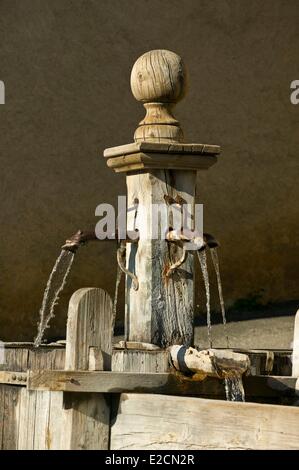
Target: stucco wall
{"points": [[66, 67]]}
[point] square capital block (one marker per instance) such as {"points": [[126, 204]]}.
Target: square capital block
{"points": [[155, 155]]}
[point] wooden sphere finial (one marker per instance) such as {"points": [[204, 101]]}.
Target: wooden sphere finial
{"points": [[159, 80]]}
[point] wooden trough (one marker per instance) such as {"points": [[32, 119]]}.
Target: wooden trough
{"points": [[87, 394], [65, 397]]}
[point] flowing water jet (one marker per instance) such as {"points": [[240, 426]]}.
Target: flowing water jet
{"points": [[202, 256], [234, 388], [55, 284], [60, 272], [215, 259]]}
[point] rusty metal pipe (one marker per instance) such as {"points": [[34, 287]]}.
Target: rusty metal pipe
{"points": [[178, 263], [80, 238]]}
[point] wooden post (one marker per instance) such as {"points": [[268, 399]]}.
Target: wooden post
{"points": [[161, 171], [89, 331]]}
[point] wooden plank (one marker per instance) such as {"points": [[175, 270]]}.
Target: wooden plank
{"points": [[9, 397], [40, 420], [118, 382], [54, 434], [29, 344], [103, 382], [41, 423], [88, 325], [159, 422], [27, 419], [20, 357], [87, 416], [9, 406], [140, 361]]}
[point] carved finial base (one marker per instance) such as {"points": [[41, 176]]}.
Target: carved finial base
{"points": [[159, 125], [158, 80]]}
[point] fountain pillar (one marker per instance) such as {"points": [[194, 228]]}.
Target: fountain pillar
{"points": [[161, 176]]}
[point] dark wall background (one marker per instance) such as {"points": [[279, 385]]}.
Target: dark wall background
{"points": [[66, 66]]}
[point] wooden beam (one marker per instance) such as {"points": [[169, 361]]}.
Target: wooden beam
{"points": [[162, 383], [159, 422]]}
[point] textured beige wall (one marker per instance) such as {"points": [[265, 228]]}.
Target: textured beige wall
{"points": [[66, 66]]}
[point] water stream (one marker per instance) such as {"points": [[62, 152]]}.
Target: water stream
{"points": [[202, 256], [234, 389], [215, 259], [55, 284]]}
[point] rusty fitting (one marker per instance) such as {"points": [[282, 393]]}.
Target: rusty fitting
{"points": [[182, 239], [210, 240], [80, 238], [187, 236]]}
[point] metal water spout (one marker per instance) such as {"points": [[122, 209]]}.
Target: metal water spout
{"points": [[210, 240], [82, 237]]}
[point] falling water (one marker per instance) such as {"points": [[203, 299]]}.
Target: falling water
{"points": [[54, 286], [215, 260], [234, 389], [204, 268]]}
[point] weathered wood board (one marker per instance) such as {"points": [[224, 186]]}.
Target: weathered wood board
{"points": [[18, 416], [164, 422], [19, 357], [40, 420], [9, 397], [167, 383], [124, 360], [87, 416]]}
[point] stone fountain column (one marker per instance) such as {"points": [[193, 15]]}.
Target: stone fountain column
{"points": [[160, 169]]}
